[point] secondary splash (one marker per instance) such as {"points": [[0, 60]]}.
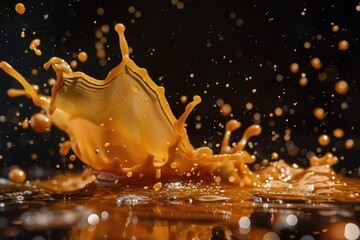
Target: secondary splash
{"points": [[130, 135]]}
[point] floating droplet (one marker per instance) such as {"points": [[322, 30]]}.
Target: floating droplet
{"points": [[294, 67], [324, 140], [341, 87], [17, 175], [40, 123], [338, 133], [319, 113], [349, 144], [82, 56], [343, 45], [20, 8], [316, 63]]}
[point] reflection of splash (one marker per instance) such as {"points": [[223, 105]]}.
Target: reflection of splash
{"points": [[124, 126]]}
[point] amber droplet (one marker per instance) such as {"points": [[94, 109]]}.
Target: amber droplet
{"points": [[82, 56], [319, 113], [17, 175], [335, 28], [343, 45], [40, 123], [157, 186], [25, 124], [316, 63], [226, 110], [338, 133], [73, 64], [294, 67], [303, 81], [349, 144], [324, 140], [341, 87], [20, 8]]}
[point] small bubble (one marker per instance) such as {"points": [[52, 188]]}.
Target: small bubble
{"points": [[244, 222], [93, 219], [104, 215], [291, 220], [351, 231]]}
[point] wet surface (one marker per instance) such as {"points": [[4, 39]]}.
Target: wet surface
{"points": [[177, 211]]}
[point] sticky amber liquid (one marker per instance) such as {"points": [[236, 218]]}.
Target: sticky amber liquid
{"points": [[179, 211]]}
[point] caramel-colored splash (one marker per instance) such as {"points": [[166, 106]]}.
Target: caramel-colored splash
{"points": [[123, 126]]}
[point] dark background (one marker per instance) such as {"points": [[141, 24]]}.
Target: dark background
{"points": [[205, 39]]}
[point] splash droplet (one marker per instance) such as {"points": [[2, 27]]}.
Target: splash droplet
{"points": [[20, 8]]}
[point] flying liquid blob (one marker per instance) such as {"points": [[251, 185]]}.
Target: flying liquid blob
{"points": [[34, 45], [20, 8], [131, 135]]}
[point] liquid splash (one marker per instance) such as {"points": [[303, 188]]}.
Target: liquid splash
{"points": [[122, 127]]}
